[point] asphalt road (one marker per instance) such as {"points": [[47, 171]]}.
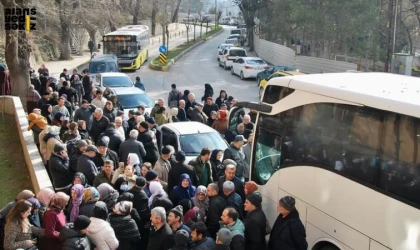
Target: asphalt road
{"points": [[192, 71]]}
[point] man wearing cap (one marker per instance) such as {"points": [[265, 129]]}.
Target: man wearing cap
{"points": [[76, 239], [85, 113], [230, 220], [151, 175], [173, 97], [59, 168], [197, 115], [255, 222], [81, 146], [223, 240], [209, 107], [145, 137], [85, 164], [154, 127], [180, 168], [60, 108], [235, 152], [104, 153], [175, 219], [288, 231], [163, 166], [115, 139]]}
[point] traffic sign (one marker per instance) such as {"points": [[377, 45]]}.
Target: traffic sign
{"points": [[162, 49], [162, 58]]}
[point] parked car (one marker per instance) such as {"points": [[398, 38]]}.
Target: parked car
{"points": [[266, 73], [221, 48], [234, 41], [234, 36], [103, 64], [229, 55], [131, 98], [112, 80], [191, 137], [248, 67], [240, 26], [263, 82]]}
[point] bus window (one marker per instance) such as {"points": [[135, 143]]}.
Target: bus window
{"points": [[273, 94]]}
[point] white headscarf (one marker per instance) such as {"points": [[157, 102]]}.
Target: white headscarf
{"points": [[156, 189], [134, 159]]}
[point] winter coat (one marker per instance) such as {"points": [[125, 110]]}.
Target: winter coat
{"points": [[161, 239], [102, 234], [73, 240], [173, 98], [235, 201], [152, 153], [126, 231], [207, 109], [158, 134], [247, 153], [98, 127], [110, 114], [53, 222], [86, 209], [239, 187], [102, 178], [216, 206], [198, 116], [99, 160], [288, 233], [162, 168], [15, 238], [86, 166], [73, 162], [221, 247], [60, 172], [238, 156], [85, 115], [238, 232], [140, 203], [115, 139], [197, 164], [177, 170], [131, 145], [49, 145], [139, 85], [182, 115], [255, 227], [205, 244]]}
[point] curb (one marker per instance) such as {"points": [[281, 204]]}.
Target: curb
{"points": [[176, 58]]}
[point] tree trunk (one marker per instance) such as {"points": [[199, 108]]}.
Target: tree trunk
{"points": [[17, 52], [136, 13], [65, 53], [154, 12], [175, 15], [167, 38], [163, 34]]}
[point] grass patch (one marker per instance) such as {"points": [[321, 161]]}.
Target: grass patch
{"points": [[14, 175], [172, 53]]}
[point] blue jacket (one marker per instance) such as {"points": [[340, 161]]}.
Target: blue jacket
{"points": [[139, 85]]}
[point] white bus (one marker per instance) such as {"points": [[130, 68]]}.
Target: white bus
{"points": [[346, 146]]}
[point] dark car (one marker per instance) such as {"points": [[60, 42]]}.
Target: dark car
{"points": [[102, 64], [266, 73]]}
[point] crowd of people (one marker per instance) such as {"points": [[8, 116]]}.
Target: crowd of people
{"points": [[116, 186]]}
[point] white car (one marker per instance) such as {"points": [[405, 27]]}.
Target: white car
{"points": [[229, 55], [248, 67], [112, 80], [221, 48], [234, 36], [191, 137], [131, 98], [232, 41]]}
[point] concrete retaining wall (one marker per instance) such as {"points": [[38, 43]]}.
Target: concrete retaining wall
{"points": [[33, 160], [277, 54]]}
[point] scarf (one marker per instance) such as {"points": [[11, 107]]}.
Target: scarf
{"points": [[184, 193], [76, 202], [44, 196], [38, 120], [202, 205], [156, 189]]}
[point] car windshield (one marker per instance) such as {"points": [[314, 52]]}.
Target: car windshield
{"points": [[255, 62], [237, 52], [233, 36], [102, 67], [116, 81], [285, 68], [131, 101], [235, 32], [193, 144], [225, 47], [230, 41]]}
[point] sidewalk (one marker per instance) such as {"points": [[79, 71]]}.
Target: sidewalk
{"points": [[56, 67]]}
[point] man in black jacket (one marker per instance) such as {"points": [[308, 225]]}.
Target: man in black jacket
{"points": [[182, 113], [99, 124], [140, 203], [104, 153], [115, 139], [150, 145], [131, 145], [216, 206], [85, 164], [161, 236], [230, 176], [153, 127], [255, 223], [81, 147], [233, 199], [180, 168], [59, 167]]}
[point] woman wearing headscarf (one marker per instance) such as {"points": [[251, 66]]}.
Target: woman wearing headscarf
{"points": [[58, 119], [134, 160], [184, 190], [217, 167], [90, 197], [54, 220], [201, 202], [48, 142], [124, 226], [44, 197], [221, 123], [108, 195], [80, 178], [76, 200], [126, 196], [46, 111], [18, 231], [250, 187], [100, 231], [34, 216], [128, 174], [158, 196]]}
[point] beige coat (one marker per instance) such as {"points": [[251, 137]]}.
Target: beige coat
{"points": [[47, 147], [162, 168]]}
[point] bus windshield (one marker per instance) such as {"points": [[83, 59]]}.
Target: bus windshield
{"points": [[121, 48]]}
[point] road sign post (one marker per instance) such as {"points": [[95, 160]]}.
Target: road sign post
{"points": [[162, 58], [163, 49]]}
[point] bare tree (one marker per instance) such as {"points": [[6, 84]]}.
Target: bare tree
{"points": [[187, 25], [65, 22], [174, 18]]}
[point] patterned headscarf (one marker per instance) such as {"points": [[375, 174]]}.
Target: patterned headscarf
{"points": [[44, 196], [78, 188], [59, 201]]}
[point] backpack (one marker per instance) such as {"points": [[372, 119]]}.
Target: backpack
{"points": [[71, 147]]}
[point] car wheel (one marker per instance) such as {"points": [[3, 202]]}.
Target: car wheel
{"points": [[242, 76], [261, 92], [225, 67], [232, 71]]}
